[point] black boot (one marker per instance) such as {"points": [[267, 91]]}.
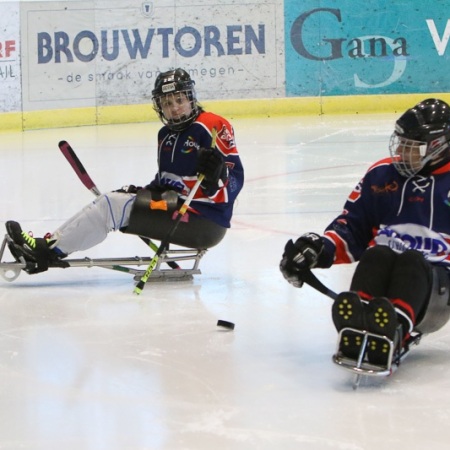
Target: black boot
{"points": [[36, 251], [381, 319], [348, 312]]}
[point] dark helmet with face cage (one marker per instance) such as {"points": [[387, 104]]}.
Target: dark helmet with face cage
{"points": [[169, 84], [425, 128]]}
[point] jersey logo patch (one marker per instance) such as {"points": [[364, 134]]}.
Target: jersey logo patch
{"points": [[356, 193], [447, 202], [388, 187], [226, 137]]}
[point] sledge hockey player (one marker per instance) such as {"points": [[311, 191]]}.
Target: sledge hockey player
{"points": [[184, 151], [396, 225]]}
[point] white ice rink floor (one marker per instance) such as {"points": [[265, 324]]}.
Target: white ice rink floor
{"points": [[87, 365]]}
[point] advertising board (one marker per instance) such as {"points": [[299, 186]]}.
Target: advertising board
{"points": [[362, 48], [10, 82], [79, 54]]}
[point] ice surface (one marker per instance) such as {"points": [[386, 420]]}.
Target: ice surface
{"points": [[87, 365]]}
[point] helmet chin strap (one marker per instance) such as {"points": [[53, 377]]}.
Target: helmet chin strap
{"points": [[441, 160], [184, 121]]}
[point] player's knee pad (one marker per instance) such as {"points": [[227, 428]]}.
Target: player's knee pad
{"points": [[413, 258], [379, 254], [373, 271], [412, 263], [437, 312]]}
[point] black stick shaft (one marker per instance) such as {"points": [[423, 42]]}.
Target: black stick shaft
{"points": [[309, 278]]}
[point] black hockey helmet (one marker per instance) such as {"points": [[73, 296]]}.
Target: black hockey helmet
{"points": [[171, 83], [425, 128]]}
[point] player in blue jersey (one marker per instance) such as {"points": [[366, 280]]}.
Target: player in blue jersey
{"points": [[184, 152], [396, 225]]}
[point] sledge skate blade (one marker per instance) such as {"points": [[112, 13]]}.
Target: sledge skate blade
{"points": [[168, 275]]}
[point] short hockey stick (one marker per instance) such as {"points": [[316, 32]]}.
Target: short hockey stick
{"points": [[84, 177], [166, 241], [309, 278]]}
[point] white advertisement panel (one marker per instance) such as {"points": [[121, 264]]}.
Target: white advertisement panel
{"points": [[79, 54], [10, 57]]}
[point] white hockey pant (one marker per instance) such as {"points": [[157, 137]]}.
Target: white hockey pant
{"points": [[90, 226]]}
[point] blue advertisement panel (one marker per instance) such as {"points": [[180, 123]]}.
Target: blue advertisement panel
{"points": [[361, 48]]}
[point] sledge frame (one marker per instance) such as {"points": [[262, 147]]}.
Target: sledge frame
{"points": [[10, 270], [361, 367]]}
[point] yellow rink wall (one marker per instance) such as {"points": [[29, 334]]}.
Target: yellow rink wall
{"points": [[315, 106], [59, 60]]}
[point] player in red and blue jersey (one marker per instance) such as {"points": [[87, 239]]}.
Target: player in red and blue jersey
{"points": [[186, 148], [396, 225]]}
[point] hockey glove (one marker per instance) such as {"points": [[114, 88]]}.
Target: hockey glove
{"points": [[211, 164], [300, 256]]}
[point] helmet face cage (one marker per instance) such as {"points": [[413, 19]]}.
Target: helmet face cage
{"points": [[409, 156], [182, 122], [174, 87]]}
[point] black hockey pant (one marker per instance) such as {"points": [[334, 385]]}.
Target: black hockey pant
{"points": [[405, 279]]}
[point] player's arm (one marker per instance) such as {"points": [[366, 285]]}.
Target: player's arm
{"points": [[215, 162], [343, 241]]}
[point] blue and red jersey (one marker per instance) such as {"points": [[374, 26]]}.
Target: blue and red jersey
{"points": [[388, 209], [177, 162]]}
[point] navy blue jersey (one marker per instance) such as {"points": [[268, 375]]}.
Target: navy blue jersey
{"points": [[177, 162], [388, 209]]}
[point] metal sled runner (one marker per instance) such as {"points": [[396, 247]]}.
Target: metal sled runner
{"points": [[9, 271], [361, 366]]}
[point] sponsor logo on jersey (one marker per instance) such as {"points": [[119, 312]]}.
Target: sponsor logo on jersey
{"points": [[172, 181], [189, 145], [356, 193], [417, 237], [388, 187], [226, 137], [447, 202], [415, 199]]}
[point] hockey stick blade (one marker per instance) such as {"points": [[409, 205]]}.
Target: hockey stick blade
{"points": [[79, 169]]}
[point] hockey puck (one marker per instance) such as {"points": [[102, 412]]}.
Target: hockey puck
{"points": [[225, 324]]}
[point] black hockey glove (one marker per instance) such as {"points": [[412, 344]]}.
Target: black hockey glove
{"points": [[300, 256], [211, 164]]}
